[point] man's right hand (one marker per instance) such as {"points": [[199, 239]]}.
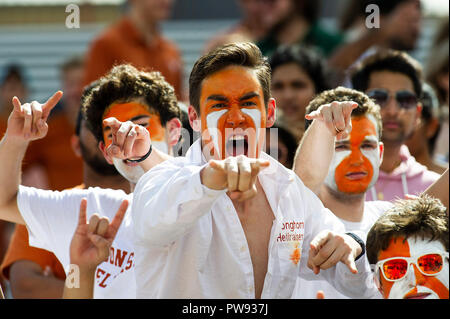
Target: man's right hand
{"points": [[28, 122], [236, 174]]}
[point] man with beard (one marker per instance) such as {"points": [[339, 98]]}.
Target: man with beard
{"points": [[393, 80], [52, 217], [36, 273]]}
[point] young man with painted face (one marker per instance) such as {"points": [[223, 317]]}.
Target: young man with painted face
{"points": [[408, 250], [347, 167], [393, 80], [228, 221], [52, 217]]}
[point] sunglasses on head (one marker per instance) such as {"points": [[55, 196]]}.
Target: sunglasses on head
{"points": [[396, 268], [405, 99]]}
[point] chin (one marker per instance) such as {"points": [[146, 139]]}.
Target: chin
{"points": [[131, 173]]}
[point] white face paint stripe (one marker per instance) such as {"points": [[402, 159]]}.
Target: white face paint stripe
{"points": [[419, 247], [211, 121], [255, 114]]}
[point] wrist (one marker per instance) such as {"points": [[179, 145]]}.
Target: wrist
{"points": [[359, 251]]}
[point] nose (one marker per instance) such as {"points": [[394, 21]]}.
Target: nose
{"points": [[420, 278], [391, 108], [356, 157], [235, 117]]}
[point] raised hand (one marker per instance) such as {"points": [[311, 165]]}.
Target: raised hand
{"points": [[28, 121], [336, 116], [91, 242], [129, 140], [329, 248], [237, 174]]}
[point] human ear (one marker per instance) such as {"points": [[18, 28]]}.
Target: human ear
{"points": [[75, 144], [174, 131], [194, 119], [271, 112]]}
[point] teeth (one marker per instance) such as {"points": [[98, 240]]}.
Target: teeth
{"points": [[237, 138]]}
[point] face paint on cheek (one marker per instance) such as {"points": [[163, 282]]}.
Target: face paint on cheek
{"points": [[253, 133], [212, 121], [337, 159]]}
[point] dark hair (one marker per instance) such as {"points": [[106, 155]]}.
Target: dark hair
{"points": [[341, 94], [72, 63], [244, 54], [12, 71], [424, 217], [387, 60], [288, 140], [310, 61], [124, 83], [86, 91]]}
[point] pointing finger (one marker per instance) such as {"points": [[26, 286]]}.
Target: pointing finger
{"points": [[50, 104], [82, 215]]}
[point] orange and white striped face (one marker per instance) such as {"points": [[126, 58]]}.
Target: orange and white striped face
{"points": [[415, 285], [232, 113], [138, 114], [356, 162]]}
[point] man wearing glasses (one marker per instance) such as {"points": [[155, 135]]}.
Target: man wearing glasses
{"points": [[408, 250], [393, 80]]}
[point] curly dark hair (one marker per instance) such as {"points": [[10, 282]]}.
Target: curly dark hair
{"points": [[125, 83], [341, 94], [424, 217]]}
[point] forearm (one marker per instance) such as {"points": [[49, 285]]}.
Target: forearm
{"points": [[313, 156], [82, 288], [440, 189], [12, 152], [156, 157], [33, 284]]}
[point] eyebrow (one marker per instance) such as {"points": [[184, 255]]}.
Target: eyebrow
{"points": [[249, 96], [217, 97], [138, 117]]}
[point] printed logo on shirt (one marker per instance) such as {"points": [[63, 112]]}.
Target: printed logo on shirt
{"points": [[119, 260], [292, 234]]}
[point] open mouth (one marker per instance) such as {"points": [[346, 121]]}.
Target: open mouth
{"points": [[421, 295], [237, 145], [355, 175]]}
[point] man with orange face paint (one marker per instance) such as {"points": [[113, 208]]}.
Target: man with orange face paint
{"points": [[136, 97], [227, 220], [408, 249], [345, 131]]}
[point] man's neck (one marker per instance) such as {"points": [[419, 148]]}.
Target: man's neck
{"points": [[346, 207], [92, 179], [147, 29], [391, 157]]}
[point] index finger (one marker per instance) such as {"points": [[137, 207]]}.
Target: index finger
{"points": [[117, 220], [17, 105], [82, 215], [50, 104]]}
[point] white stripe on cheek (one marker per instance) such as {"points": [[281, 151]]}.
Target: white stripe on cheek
{"points": [[256, 117], [337, 159], [211, 121], [374, 158]]}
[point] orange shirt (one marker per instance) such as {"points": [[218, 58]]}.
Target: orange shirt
{"points": [[20, 250], [122, 43]]}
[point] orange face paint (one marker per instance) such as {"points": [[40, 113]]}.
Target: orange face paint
{"points": [[356, 162], [232, 106], [138, 114], [412, 284]]}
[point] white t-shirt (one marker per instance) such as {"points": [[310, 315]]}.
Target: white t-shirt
{"points": [[51, 218], [307, 289], [190, 242]]}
